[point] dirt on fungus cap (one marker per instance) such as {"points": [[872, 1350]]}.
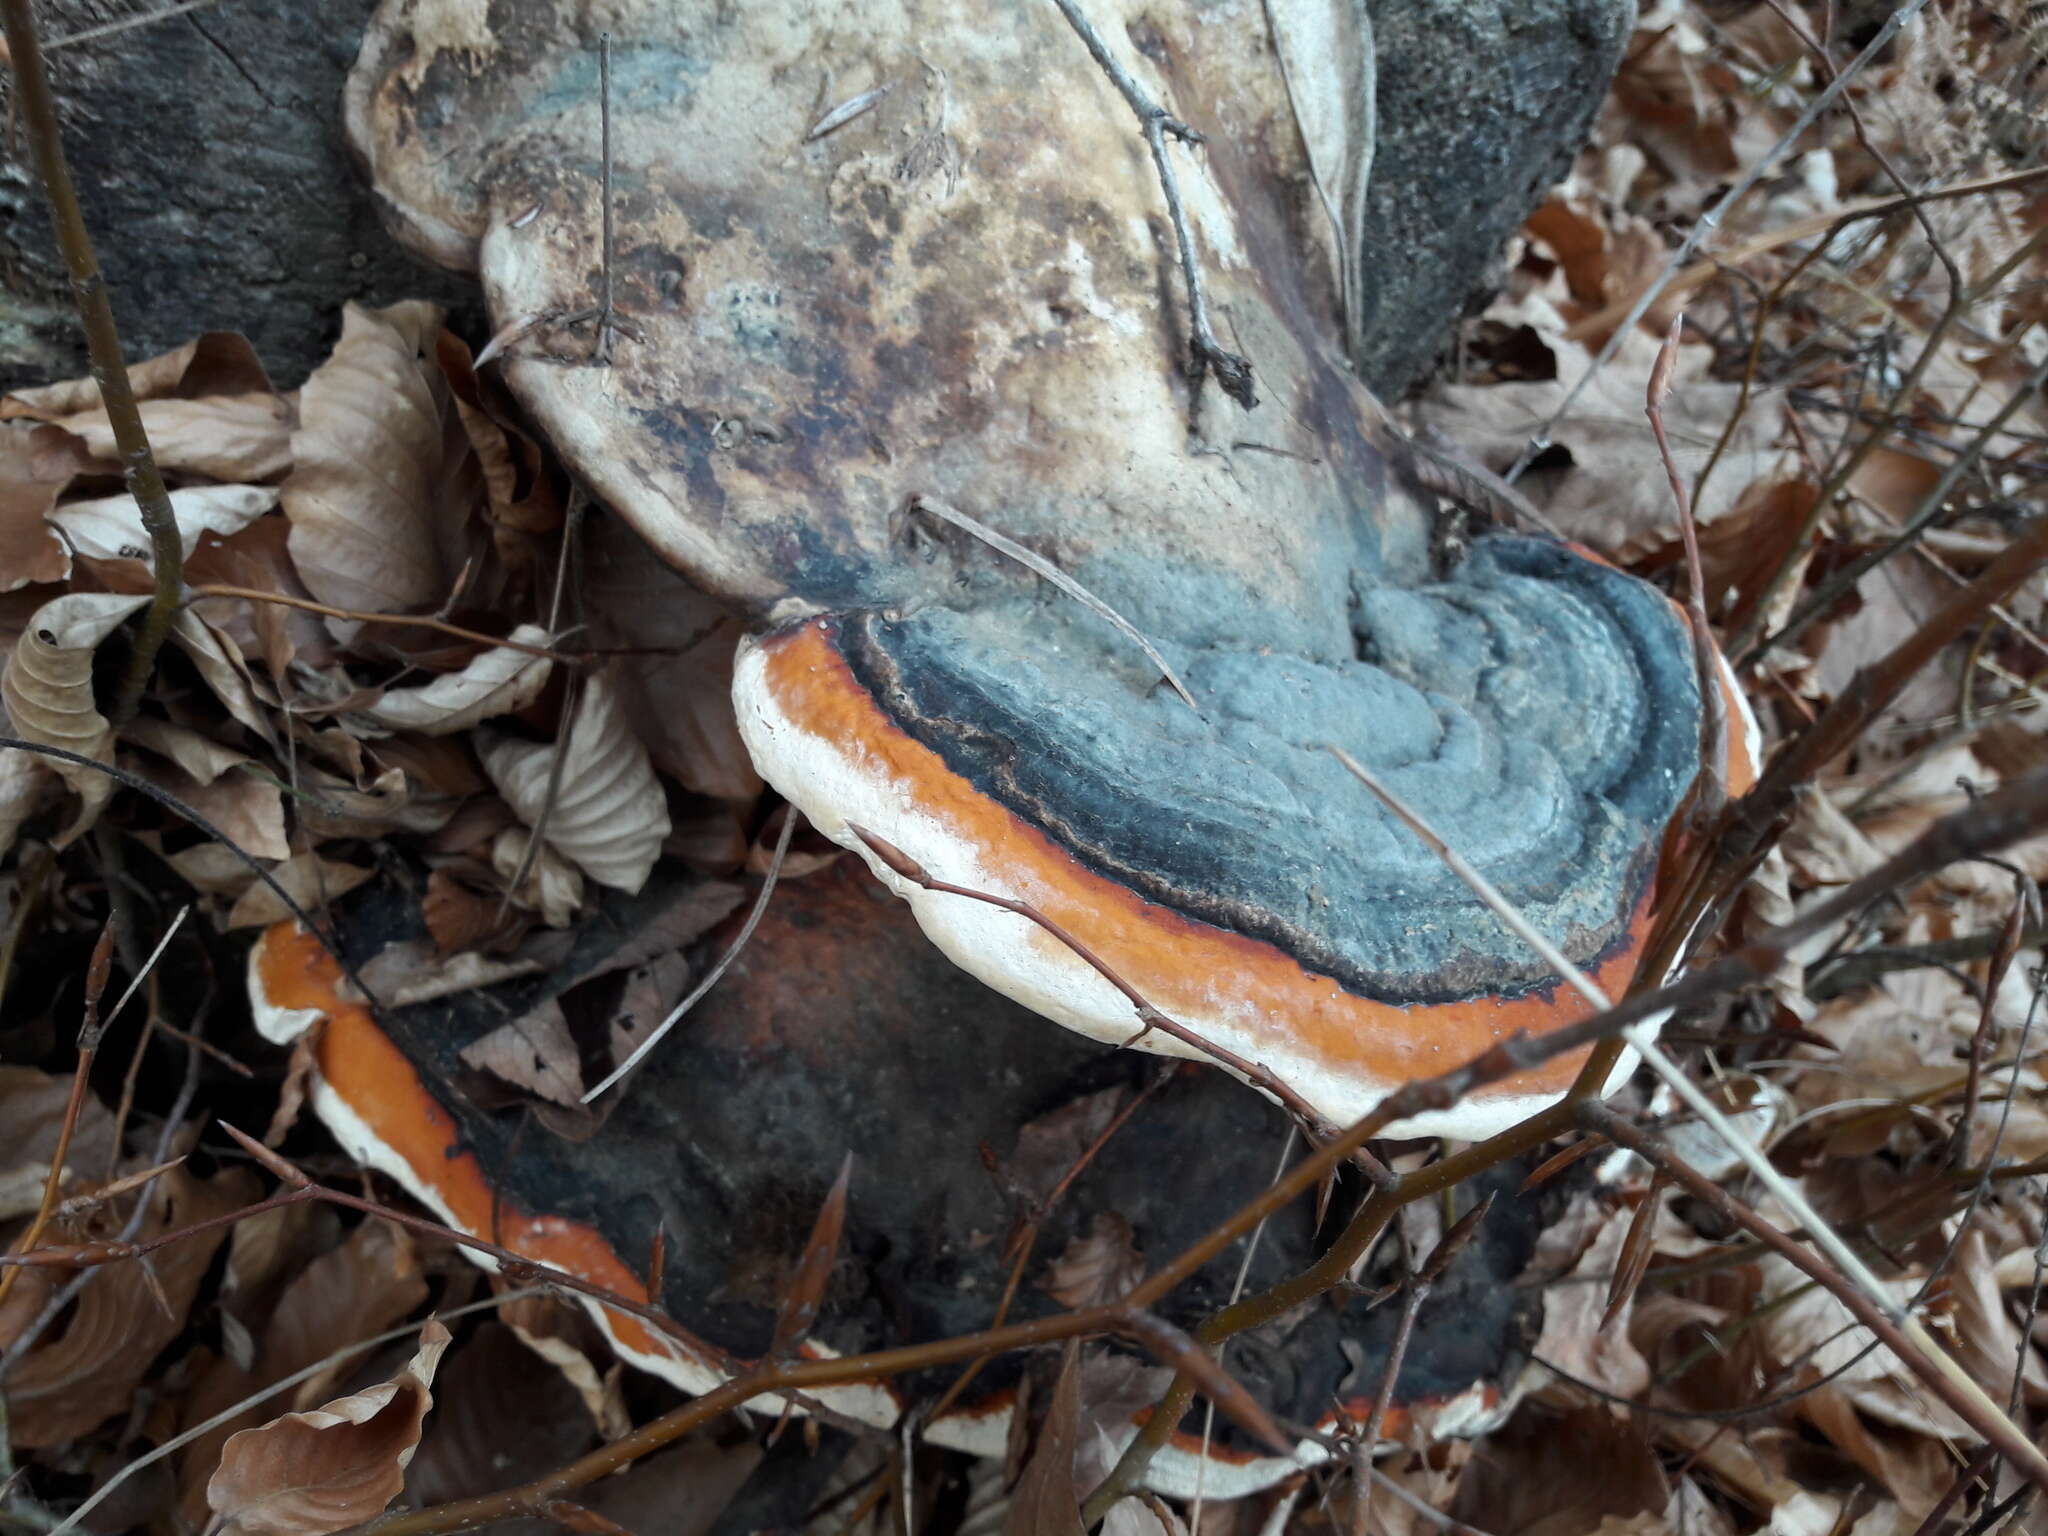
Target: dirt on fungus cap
{"points": [[965, 291]]}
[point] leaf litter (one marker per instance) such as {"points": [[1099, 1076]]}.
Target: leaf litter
{"points": [[1722, 1394]]}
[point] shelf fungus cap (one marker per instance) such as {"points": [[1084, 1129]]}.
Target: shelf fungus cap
{"points": [[1538, 707]]}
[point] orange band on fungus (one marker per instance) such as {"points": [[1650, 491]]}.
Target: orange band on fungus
{"points": [[1184, 967]]}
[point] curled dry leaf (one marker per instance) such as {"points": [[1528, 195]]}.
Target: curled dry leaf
{"points": [[22, 777], [609, 816], [366, 1284], [495, 683], [364, 495], [330, 1467], [29, 550], [110, 527], [48, 689]]}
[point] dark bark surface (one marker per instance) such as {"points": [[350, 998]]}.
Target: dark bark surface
{"points": [[209, 155], [209, 152]]}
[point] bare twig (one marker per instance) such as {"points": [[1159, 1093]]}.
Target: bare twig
{"points": [[1207, 354], [1961, 1154], [1043, 568], [398, 620], [1712, 787], [103, 343]]}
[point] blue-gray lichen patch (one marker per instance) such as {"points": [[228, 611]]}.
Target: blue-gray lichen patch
{"points": [[1538, 708]]}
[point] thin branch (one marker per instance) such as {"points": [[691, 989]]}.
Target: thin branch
{"points": [[103, 342], [1712, 786], [397, 620], [1043, 568], [1208, 355], [88, 1047]]}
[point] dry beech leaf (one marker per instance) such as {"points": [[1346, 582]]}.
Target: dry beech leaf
{"points": [[229, 438], [498, 1416], [110, 527], [1326, 57], [48, 690], [211, 363], [552, 887], [225, 672], [248, 811], [331, 1467], [1099, 1267], [365, 488], [87, 1367], [367, 1283], [200, 758], [31, 1110], [1043, 1502], [22, 777], [495, 683], [678, 687], [29, 550], [565, 1337], [312, 882], [533, 1052], [610, 816]]}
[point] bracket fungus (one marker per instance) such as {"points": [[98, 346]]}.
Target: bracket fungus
{"points": [[968, 289], [771, 285]]}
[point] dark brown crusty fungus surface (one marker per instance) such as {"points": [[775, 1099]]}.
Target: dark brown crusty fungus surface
{"points": [[928, 257], [730, 1140]]}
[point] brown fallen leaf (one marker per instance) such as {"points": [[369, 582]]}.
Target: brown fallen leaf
{"points": [[110, 527], [609, 815], [497, 682], [677, 688], [230, 438], [368, 1283], [32, 1105], [1098, 1267], [212, 363], [313, 882], [325, 1469], [376, 525], [30, 550], [87, 1367], [805, 1292], [499, 1417], [1043, 1502]]}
